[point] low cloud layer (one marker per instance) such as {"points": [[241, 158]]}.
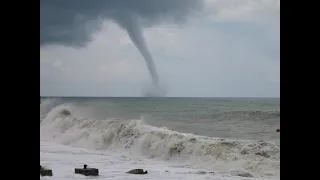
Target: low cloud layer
{"points": [[73, 22]]}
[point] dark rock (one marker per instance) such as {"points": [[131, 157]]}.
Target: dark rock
{"points": [[87, 171], [45, 172], [137, 171]]}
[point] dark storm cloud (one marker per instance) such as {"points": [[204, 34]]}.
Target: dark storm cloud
{"points": [[72, 22]]}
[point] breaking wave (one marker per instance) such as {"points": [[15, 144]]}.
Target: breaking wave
{"points": [[64, 124]]}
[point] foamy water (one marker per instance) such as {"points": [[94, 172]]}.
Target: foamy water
{"points": [[112, 165], [116, 146]]}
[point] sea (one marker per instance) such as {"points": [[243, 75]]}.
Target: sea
{"points": [[172, 138]]}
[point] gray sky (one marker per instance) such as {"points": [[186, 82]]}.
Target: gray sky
{"points": [[219, 48]]}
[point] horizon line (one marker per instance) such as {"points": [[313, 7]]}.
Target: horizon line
{"points": [[155, 97]]}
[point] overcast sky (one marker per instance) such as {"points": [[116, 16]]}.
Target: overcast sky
{"points": [[228, 48]]}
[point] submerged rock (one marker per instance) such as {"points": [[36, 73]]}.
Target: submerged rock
{"points": [[137, 171]]}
